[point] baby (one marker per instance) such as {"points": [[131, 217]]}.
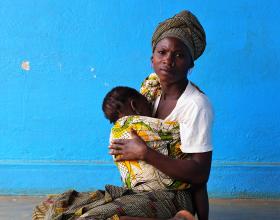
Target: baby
{"points": [[124, 101], [129, 109]]}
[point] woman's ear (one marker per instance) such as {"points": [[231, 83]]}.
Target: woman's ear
{"points": [[152, 62], [133, 107]]}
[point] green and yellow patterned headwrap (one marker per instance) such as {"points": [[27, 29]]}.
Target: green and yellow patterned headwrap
{"points": [[185, 27]]}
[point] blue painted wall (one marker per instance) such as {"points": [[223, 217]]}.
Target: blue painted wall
{"points": [[53, 135]]}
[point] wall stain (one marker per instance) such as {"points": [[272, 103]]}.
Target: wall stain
{"points": [[92, 69], [25, 65]]}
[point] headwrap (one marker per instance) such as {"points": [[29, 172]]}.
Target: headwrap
{"points": [[185, 27]]}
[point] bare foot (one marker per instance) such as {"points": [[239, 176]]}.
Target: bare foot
{"points": [[183, 215]]}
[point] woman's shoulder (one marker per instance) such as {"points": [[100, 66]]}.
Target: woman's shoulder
{"points": [[202, 102], [194, 98]]}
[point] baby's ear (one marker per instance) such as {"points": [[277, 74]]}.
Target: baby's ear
{"points": [[152, 62], [134, 107]]}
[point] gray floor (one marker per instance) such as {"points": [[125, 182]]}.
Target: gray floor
{"points": [[20, 208], [244, 210]]}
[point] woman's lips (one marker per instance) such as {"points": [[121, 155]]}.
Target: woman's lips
{"points": [[166, 70]]}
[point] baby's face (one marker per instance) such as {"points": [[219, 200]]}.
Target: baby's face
{"points": [[139, 106]]}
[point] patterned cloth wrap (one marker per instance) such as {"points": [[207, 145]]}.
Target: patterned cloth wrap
{"points": [[151, 88], [163, 136], [112, 203]]}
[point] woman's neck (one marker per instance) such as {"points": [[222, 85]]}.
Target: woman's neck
{"points": [[174, 90]]}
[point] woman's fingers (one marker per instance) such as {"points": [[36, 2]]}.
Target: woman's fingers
{"points": [[116, 146], [135, 136], [119, 158], [119, 141], [130, 149], [133, 133], [116, 152]]}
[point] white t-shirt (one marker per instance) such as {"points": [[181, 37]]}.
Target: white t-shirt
{"points": [[195, 115]]}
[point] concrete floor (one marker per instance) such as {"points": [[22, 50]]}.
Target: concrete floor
{"points": [[20, 208]]}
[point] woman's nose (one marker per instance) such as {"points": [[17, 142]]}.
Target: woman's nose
{"points": [[169, 60]]}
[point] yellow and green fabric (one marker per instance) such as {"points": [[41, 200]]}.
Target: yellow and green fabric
{"points": [[164, 137], [151, 88]]}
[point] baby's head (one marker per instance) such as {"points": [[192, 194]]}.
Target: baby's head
{"points": [[124, 101]]}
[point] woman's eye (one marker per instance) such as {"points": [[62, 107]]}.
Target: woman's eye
{"points": [[179, 55], [161, 51]]}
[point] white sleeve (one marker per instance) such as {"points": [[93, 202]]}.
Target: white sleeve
{"points": [[195, 133]]}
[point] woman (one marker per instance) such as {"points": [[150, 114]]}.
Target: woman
{"points": [[177, 43]]}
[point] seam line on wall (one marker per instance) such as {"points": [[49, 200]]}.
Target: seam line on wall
{"points": [[107, 162]]}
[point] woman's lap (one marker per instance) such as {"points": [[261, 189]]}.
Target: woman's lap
{"points": [[114, 201]]}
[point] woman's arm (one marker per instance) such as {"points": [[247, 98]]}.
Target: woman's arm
{"points": [[194, 170], [200, 200]]}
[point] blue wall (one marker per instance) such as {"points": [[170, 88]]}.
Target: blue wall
{"points": [[53, 135]]}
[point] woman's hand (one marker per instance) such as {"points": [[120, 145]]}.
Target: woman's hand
{"points": [[129, 149]]}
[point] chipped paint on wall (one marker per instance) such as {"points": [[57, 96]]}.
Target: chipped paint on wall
{"points": [[25, 65]]}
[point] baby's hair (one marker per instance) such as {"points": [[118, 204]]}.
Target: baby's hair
{"points": [[115, 101]]}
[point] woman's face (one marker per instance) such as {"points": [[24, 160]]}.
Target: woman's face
{"points": [[171, 60]]}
